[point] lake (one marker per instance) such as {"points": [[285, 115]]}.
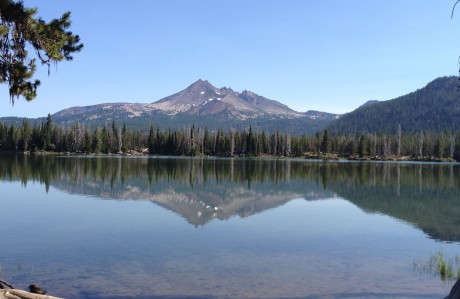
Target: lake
{"points": [[151, 227]]}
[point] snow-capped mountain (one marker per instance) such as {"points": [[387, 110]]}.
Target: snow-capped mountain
{"points": [[202, 98], [201, 104]]}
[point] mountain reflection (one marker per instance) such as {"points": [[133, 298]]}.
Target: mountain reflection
{"points": [[202, 189]]}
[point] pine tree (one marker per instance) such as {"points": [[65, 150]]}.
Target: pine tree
{"points": [[119, 142], [437, 150], [87, 142], [13, 138], [97, 141], [325, 142], [46, 134], [21, 30], [251, 143], [151, 141], [232, 143], [362, 147], [124, 138], [206, 143], [192, 142], [105, 140], [26, 135]]}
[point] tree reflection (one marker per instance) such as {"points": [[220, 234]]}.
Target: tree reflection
{"points": [[426, 195]]}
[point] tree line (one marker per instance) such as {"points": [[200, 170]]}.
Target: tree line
{"points": [[144, 174], [191, 141]]}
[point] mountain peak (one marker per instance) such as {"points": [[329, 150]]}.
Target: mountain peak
{"points": [[202, 98], [201, 83]]}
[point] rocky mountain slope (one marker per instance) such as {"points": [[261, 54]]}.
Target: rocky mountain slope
{"points": [[203, 105], [201, 98], [435, 107]]}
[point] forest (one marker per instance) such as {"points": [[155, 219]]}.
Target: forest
{"points": [[434, 107], [191, 141]]}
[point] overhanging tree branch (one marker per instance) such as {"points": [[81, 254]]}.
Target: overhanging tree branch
{"points": [[51, 42]]}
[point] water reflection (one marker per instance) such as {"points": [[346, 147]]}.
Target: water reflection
{"points": [[102, 234], [202, 189]]}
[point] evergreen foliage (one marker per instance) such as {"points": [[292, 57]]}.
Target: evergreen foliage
{"points": [[192, 141], [434, 108], [21, 30], [325, 142]]}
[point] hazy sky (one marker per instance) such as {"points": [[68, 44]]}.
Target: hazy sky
{"points": [[309, 54]]}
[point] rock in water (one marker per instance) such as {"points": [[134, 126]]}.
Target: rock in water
{"points": [[36, 289]]}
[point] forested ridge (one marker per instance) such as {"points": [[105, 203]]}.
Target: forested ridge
{"points": [[435, 108], [193, 141]]}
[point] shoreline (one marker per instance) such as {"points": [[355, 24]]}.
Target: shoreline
{"points": [[307, 156]]}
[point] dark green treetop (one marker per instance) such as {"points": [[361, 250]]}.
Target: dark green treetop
{"points": [[21, 30]]}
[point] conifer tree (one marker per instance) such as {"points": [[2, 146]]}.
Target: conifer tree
{"points": [[250, 143], [21, 30], [96, 141], [124, 138], [232, 143], [325, 142], [26, 133], [362, 147], [151, 141], [398, 144]]}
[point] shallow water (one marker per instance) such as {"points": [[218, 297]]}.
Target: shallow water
{"points": [[88, 227]]}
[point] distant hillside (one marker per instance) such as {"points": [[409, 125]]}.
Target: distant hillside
{"points": [[200, 104], [12, 120], [435, 107]]}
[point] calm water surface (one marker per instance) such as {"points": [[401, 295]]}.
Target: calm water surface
{"points": [[112, 227]]}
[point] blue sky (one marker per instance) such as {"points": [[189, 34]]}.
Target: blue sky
{"points": [[310, 55]]}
